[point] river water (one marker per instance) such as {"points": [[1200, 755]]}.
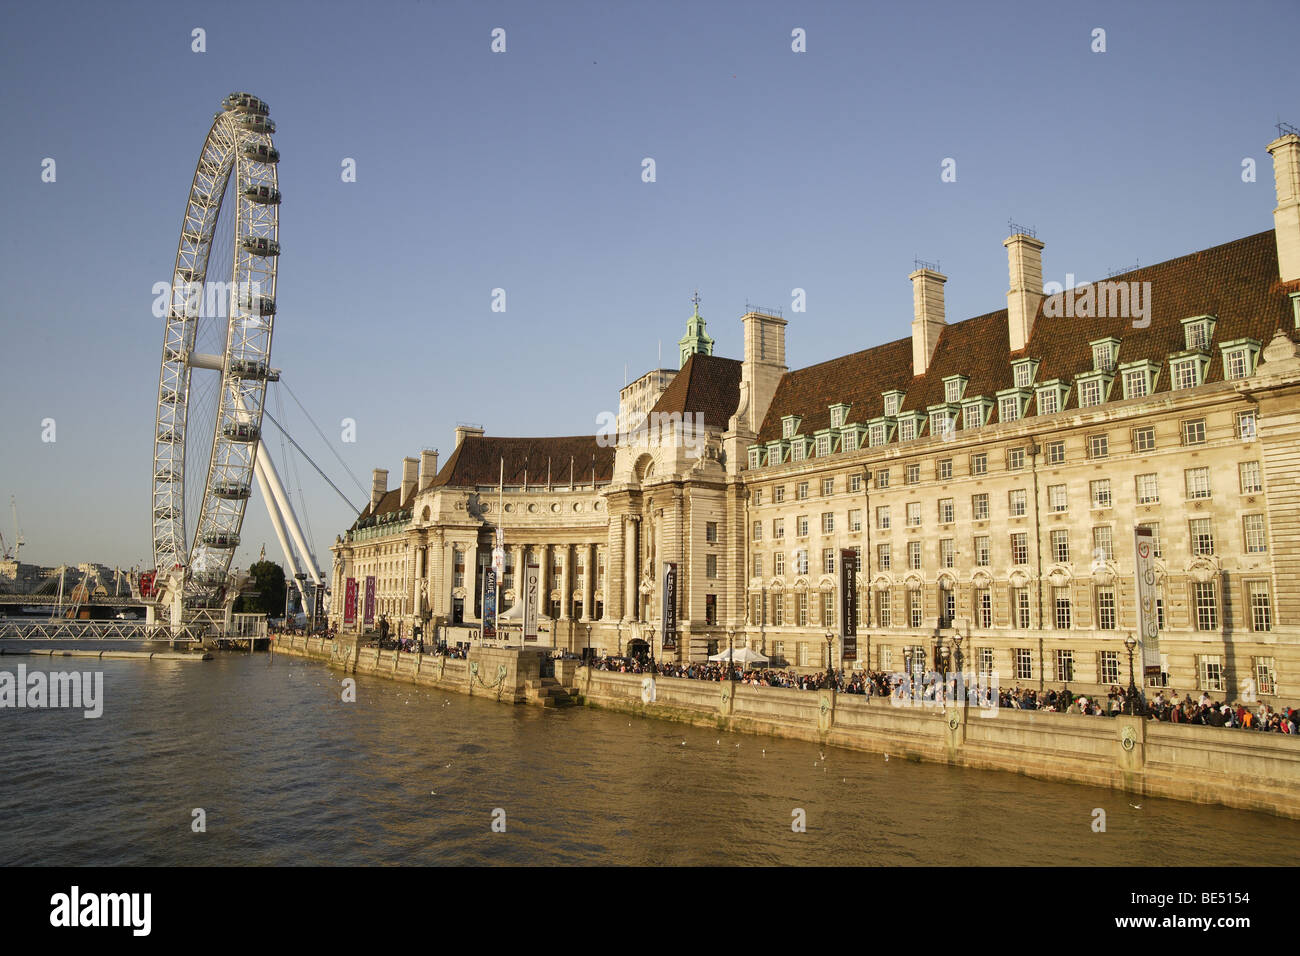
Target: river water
{"points": [[287, 773]]}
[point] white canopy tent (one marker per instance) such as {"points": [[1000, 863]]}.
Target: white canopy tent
{"points": [[740, 655]]}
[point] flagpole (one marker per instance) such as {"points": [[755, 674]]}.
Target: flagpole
{"points": [[501, 543]]}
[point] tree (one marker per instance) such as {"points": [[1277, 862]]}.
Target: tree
{"points": [[268, 581]]}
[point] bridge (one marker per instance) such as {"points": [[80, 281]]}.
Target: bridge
{"points": [[28, 629]]}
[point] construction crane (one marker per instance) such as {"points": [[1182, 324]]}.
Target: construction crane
{"points": [[19, 540]]}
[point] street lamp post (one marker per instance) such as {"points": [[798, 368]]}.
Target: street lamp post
{"points": [[586, 651], [830, 649], [1130, 642], [956, 644], [731, 659], [650, 640]]}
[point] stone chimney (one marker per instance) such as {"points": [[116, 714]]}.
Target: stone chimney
{"points": [[1286, 217], [927, 316], [1025, 262], [761, 370], [378, 488], [463, 431], [428, 467], [409, 466]]}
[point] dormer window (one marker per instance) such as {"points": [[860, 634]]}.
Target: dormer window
{"points": [[790, 425], [893, 402], [943, 422], [953, 388], [1011, 405], [849, 440], [1198, 331], [798, 450], [1104, 354], [839, 413], [909, 426], [975, 413], [1239, 357], [1023, 372], [1051, 397], [1187, 372], [756, 458], [823, 445], [1139, 378], [876, 434], [1094, 388]]}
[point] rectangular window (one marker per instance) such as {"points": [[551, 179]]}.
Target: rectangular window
{"points": [[979, 507], [1061, 606], [1250, 477], [1148, 489], [1064, 665], [801, 605], [914, 607], [758, 531], [875, 435], [828, 487], [1198, 483], [1245, 426], [458, 564], [1024, 664], [1020, 547], [801, 492], [884, 557], [850, 441], [778, 494], [828, 560], [801, 526], [983, 607], [907, 429], [882, 478], [855, 483], [947, 511], [1261, 609], [885, 607], [828, 609], [983, 552], [710, 565], [1061, 546], [1186, 374], [912, 475], [778, 563], [1106, 608], [1155, 537], [823, 445], [1056, 498], [972, 416], [1055, 452], [1266, 675], [778, 609], [1135, 383], [1236, 364], [855, 519], [891, 405], [984, 660], [947, 553], [1015, 459], [1009, 408], [758, 496], [1049, 401], [979, 464], [1256, 542], [828, 522], [1103, 543], [1202, 536], [1211, 672], [1194, 431], [944, 469], [1100, 489], [1017, 502], [1020, 607], [1089, 393], [711, 531], [758, 565], [1207, 606], [1098, 446], [914, 555], [914, 514], [797, 450], [1024, 375], [778, 528], [1108, 667], [882, 517], [952, 391], [1144, 439]]}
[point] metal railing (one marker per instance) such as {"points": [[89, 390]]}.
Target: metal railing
{"points": [[24, 629]]}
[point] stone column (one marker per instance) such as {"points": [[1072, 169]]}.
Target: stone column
{"points": [[544, 569], [566, 582], [630, 554], [589, 585], [519, 572]]}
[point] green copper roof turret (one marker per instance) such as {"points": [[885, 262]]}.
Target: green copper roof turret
{"points": [[695, 339]]}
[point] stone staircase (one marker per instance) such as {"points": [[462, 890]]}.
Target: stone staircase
{"points": [[549, 693]]}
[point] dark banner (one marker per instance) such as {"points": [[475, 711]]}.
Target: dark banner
{"points": [[370, 600], [849, 603], [669, 636], [489, 604], [350, 602]]}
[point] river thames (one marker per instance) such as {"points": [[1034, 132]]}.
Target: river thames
{"points": [[287, 773]]}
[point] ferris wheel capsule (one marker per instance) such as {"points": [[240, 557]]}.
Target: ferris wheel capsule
{"points": [[245, 103]]}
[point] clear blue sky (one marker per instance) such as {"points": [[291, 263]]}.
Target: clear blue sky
{"points": [[522, 170]]}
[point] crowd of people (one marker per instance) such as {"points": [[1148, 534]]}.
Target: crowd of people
{"points": [[1205, 711]]}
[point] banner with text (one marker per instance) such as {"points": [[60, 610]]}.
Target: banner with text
{"points": [[532, 585], [370, 600], [1148, 618], [350, 602], [849, 603], [669, 616]]}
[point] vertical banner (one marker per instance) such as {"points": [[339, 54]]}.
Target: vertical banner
{"points": [[370, 600], [350, 602], [489, 604], [849, 604], [1148, 619], [532, 584], [668, 639]]}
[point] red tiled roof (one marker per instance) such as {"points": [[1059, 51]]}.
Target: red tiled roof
{"points": [[707, 384], [477, 461], [1236, 282]]}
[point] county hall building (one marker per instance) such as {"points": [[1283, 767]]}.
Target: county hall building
{"points": [[988, 473]]}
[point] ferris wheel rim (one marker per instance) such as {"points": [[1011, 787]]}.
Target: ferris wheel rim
{"points": [[238, 145]]}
